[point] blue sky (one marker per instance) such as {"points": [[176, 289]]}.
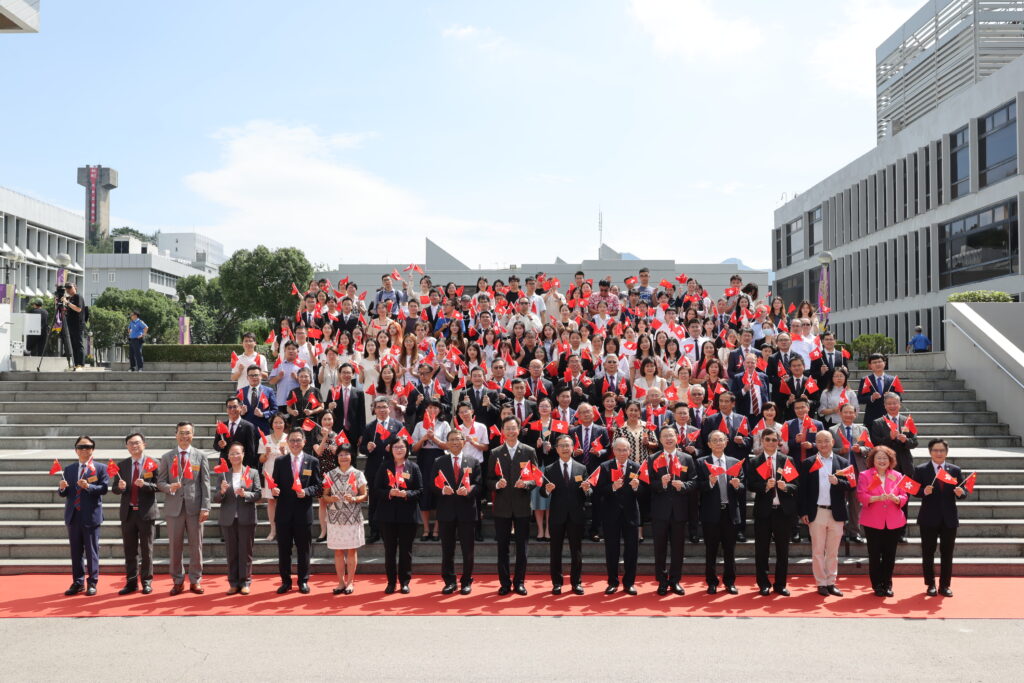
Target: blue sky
{"points": [[354, 129]]}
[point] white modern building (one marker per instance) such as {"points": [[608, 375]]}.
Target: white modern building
{"points": [[35, 237], [197, 249], [19, 16], [934, 208], [135, 265]]}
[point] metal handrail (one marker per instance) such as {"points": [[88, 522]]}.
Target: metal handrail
{"points": [[982, 349]]}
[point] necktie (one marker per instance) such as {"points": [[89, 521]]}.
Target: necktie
{"points": [[519, 412], [455, 467], [78, 489], [755, 399], [233, 425], [722, 491], [797, 383], [345, 408], [182, 460], [785, 360], [253, 396], [133, 497], [849, 436], [775, 500], [565, 473], [586, 440], [479, 396]]}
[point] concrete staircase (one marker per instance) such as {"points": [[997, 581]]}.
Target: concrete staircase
{"points": [[41, 414]]}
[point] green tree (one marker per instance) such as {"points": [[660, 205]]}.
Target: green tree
{"points": [[109, 328], [155, 309], [867, 344], [257, 283], [213, 320]]}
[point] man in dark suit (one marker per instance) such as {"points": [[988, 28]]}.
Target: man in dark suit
{"points": [[309, 317], [590, 447], [523, 409], [874, 387], [848, 442], [673, 480], [938, 519], [797, 386], [567, 486], [775, 511], [460, 477], [511, 507], [82, 486], [823, 510], [720, 480], [258, 402], [620, 516], [737, 430], [800, 431], [485, 401], [738, 356], [891, 429], [378, 434], [241, 431], [136, 483], [827, 360], [424, 389], [751, 389], [346, 402], [297, 475], [778, 362], [573, 377], [348, 319], [536, 386], [611, 380]]}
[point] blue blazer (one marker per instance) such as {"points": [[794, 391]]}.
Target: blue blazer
{"points": [[262, 423], [90, 500]]}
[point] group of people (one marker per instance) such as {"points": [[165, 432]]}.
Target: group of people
{"points": [[597, 413]]}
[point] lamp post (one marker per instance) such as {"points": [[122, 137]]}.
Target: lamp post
{"points": [[11, 263]]}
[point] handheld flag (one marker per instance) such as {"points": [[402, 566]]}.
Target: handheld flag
{"points": [[188, 471], [850, 473], [234, 360], [382, 432], [735, 470], [440, 481], [909, 485], [55, 468], [296, 484], [910, 426], [595, 477], [112, 468], [222, 428], [817, 463], [969, 482], [944, 476], [353, 482], [789, 472], [715, 470], [327, 483], [645, 474], [271, 484], [221, 467], [308, 425], [765, 469], [150, 466]]}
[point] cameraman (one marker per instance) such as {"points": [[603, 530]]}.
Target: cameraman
{"points": [[74, 320]]}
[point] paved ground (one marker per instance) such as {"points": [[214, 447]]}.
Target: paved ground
{"points": [[531, 648]]}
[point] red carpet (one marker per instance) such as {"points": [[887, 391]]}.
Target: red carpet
{"points": [[41, 595]]}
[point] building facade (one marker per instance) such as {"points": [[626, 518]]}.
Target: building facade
{"points": [[19, 16], [933, 209], [197, 249], [135, 265]]}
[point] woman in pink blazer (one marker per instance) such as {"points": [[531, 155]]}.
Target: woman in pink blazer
{"points": [[881, 499]]}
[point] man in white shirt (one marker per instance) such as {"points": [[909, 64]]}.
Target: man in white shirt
{"points": [[823, 510]]}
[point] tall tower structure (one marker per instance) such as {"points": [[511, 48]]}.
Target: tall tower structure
{"points": [[98, 181]]}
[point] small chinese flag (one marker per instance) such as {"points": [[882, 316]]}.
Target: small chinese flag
{"points": [[295, 290], [327, 483], [247, 477], [271, 338], [353, 482], [865, 439], [765, 469], [897, 386], [910, 425], [616, 473], [817, 462], [792, 307], [846, 354], [308, 425], [221, 467], [296, 484], [715, 470], [112, 468], [595, 477], [735, 470], [497, 469], [222, 428], [174, 467], [784, 432], [234, 360], [969, 482], [660, 462], [55, 468], [440, 481], [188, 471], [271, 484]]}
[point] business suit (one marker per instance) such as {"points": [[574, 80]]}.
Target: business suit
{"points": [[875, 409], [619, 385], [592, 458], [795, 450], [585, 383], [350, 421], [566, 518], [488, 415], [138, 510], [538, 388], [526, 412], [238, 524], [511, 508], [881, 435], [797, 386], [620, 521], [375, 459], [744, 391], [83, 515], [245, 434], [265, 400], [858, 456], [720, 520], [825, 523], [775, 514], [347, 322], [822, 368], [457, 515], [398, 518], [416, 407], [937, 520], [293, 516], [182, 508], [670, 511]]}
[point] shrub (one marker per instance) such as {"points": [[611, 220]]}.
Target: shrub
{"points": [[867, 344], [980, 295], [196, 353]]}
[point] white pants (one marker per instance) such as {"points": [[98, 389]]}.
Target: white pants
{"points": [[826, 533]]}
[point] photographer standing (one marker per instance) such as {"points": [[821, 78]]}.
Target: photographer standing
{"points": [[74, 319], [136, 331]]}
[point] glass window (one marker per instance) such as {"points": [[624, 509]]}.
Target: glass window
{"points": [[791, 288], [111, 277], [971, 250], [997, 144], [938, 169], [795, 241], [817, 236], [959, 164]]}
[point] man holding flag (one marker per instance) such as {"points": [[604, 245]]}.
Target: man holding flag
{"points": [[509, 475], [775, 510], [457, 478], [620, 514], [136, 482], [298, 481], [378, 435], [82, 486], [184, 479], [938, 520], [567, 484], [673, 480], [825, 480], [720, 479]]}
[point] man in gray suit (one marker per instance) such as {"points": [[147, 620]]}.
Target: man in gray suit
{"points": [[857, 453], [184, 476]]}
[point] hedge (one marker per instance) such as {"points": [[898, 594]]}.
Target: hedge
{"points": [[980, 295], [195, 353]]}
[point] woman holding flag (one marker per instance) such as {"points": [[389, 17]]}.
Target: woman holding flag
{"points": [[237, 491], [881, 498], [398, 485], [344, 495], [304, 401]]}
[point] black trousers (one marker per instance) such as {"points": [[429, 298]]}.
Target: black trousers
{"points": [[559, 533], [77, 343], [629, 534], [465, 533], [882, 545], [722, 532], [503, 532], [136, 535], [398, 537], [669, 532], [135, 353], [777, 526], [372, 496], [299, 532], [945, 538]]}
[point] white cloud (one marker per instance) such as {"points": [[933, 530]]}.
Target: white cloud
{"points": [[483, 38], [460, 31], [283, 185], [694, 29]]}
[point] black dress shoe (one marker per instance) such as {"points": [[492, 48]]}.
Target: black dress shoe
{"points": [[504, 590], [712, 590], [945, 592], [765, 590], [879, 592], [611, 590], [795, 538], [304, 588], [888, 592], [520, 589], [91, 590], [147, 588], [337, 591], [578, 589], [424, 538], [467, 589], [741, 537], [555, 590], [449, 589], [857, 538], [595, 537], [784, 592], [404, 590], [282, 589], [629, 590], [678, 589], [931, 592], [903, 539], [128, 589], [822, 590], [374, 538], [694, 538], [832, 590], [732, 590], [479, 537], [389, 589], [663, 589]]}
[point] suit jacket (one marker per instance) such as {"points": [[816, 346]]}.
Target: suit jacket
{"points": [[542, 391], [710, 497], [90, 500], [732, 449], [488, 415], [622, 506], [809, 489], [874, 409], [621, 386], [261, 423], [245, 434], [583, 381], [591, 457], [764, 500], [795, 426], [822, 368], [530, 409], [194, 494], [567, 500], [230, 504], [780, 397], [291, 508], [398, 510], [370, 435], [737, 387], [356, 411], [348, 325], [859, 453], [735, 365], [146, 499], [881, 435], [882, 514], [456, 508], [414, 413], [938, 509], [668, 504], [311, 319], [510, 501]]}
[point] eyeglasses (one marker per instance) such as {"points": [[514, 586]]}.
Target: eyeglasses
{"points": [[84, 447]]}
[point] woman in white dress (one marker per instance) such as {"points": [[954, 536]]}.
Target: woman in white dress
{"points": [[328, 373], [271, 447], [344, 499], [836, 394]]}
